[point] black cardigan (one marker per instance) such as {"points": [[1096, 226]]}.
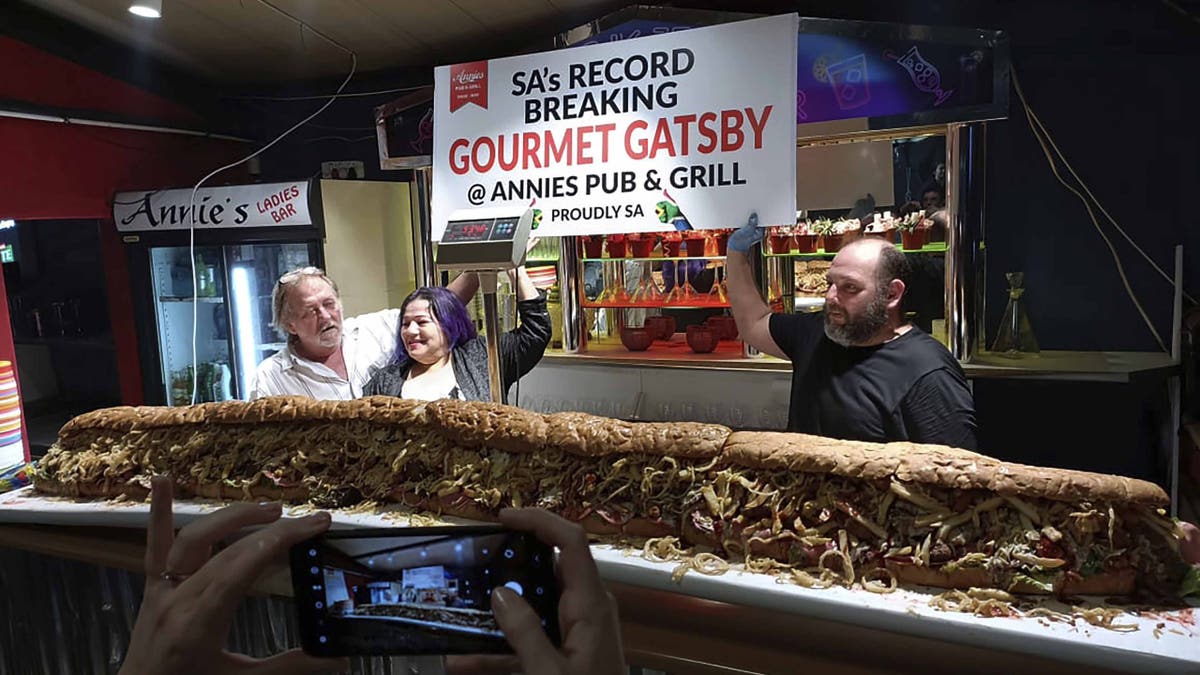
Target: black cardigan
{"points": [[520, 350]]}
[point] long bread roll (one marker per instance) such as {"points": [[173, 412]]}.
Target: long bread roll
{"points": [[929, 514]]}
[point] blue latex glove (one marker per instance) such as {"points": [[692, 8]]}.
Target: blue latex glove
{"points": [[747, 235]]}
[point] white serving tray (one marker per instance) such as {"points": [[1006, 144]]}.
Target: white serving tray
{"points": [[1175, 648]]}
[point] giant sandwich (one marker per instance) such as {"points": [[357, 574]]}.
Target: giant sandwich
{"points": [[921, 514]]}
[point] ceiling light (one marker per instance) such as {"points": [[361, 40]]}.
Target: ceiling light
{"points": [[150, 9]]}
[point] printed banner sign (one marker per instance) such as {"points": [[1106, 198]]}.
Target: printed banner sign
{"points": [[687, 130], [266, 205]]}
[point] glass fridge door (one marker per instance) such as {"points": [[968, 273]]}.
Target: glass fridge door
{"points": [[253, 270], [211, 376]]}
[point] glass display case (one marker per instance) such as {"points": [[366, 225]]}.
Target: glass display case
{"points": [[896, 185], [659, 291], [890, 188]]}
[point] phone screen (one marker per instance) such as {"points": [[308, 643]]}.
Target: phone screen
{"points": [[417, 590]]}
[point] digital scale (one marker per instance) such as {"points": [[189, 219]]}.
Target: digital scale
{"points": [[487, 242]]}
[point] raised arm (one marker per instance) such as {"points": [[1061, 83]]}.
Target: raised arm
{"points": [[464, 286], [752, 314], [522, 284]]}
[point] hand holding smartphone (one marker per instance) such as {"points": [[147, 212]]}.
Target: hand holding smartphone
{"points": [[417, 590]]}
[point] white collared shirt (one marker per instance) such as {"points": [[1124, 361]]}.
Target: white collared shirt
{"points": [[368, 344]]}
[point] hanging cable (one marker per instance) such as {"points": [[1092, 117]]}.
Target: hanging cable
{"points": [[192, 201], [1046, 143], [1038, 121], [1182, 11]]}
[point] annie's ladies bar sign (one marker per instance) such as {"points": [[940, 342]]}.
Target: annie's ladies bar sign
{"points": [[240, 206]]}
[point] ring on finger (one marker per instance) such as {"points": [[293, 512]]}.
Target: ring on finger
{"points": [[173, 578]]}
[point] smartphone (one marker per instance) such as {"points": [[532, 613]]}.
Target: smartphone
{"points": [[392, 591]]}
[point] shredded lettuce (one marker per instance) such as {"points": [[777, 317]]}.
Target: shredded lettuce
{"points": [[1034, 581], [1093, 565], [1191, 582], [968, 560]]}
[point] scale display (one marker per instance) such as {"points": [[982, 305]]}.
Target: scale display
{"points": [[463, 231], [484, 239], [473, 230]]}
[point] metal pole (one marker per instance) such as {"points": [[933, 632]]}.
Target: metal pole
{"points": [[965, 255], [1174, 394], [570, 286], [422, 228], [758, 272], [491, 326]]}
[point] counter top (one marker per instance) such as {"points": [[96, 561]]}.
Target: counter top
{"points": [[735, 622], [674, 353], [1048, 365], [1073, 365]]}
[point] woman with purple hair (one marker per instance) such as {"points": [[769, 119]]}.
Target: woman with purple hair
{"points": [[440, 355]]}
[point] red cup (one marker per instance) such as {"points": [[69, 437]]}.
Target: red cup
{"points": [[806, 243], [722, 239], [701, 339], [593, 247], [616, 247], [724, 326], [643, 248], [912, 239], [833, 242], [780, 243], [636, 339], [660, 327], [695, 246]]}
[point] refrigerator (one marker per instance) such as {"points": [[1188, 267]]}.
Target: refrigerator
{"points": [[227, 310]]}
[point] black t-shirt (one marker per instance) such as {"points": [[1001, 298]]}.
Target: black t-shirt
{"points": [[907, 389]]}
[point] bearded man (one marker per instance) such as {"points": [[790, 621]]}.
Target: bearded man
{"points": [[860, 370]]}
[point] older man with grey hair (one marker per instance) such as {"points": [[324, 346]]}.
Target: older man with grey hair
{"points": [[328, 357]]}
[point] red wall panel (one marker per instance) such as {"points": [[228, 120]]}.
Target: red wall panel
{"points": [[52, 170], [120, 313], [37, 77]]}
